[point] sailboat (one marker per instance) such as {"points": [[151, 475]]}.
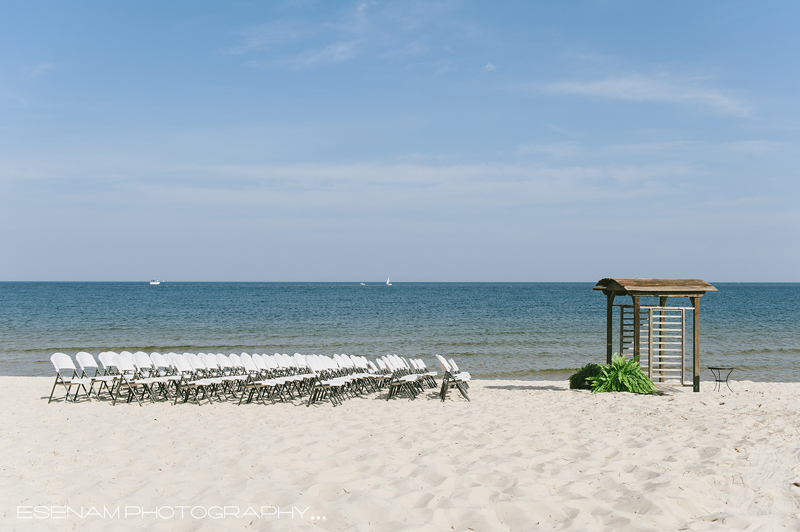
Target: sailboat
{"points": [[388, 282]]}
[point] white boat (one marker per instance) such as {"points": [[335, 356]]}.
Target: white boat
{"points": [[155, 281], [388, 282]]}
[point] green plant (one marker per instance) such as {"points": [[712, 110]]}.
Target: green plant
{"points": [[578, 381], [622, 375]]}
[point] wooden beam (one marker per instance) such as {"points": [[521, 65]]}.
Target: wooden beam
{"points": [[610, 326], [696, 343]]}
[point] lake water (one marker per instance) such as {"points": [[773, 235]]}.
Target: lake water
{"points": [[493, 330]]}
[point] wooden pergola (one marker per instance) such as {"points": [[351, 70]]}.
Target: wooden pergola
{"points": [[694, 289]]}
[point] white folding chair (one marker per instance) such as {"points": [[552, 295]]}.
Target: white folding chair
{"points": [[67, 376], [91, 371], [452, 377], [256, 382], [190, 381], [325, 383], [147, 370], [402, 378], [129, 379], [107, 360]]}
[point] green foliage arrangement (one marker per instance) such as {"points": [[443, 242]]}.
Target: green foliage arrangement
{"points": [[622, 375], [578, 380]]}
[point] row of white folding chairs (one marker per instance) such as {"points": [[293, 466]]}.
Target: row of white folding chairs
{"points": [[337, 376], [278, 373], [122, 369], [199, 361], [209, 373], [342, 375], [147, 372]]}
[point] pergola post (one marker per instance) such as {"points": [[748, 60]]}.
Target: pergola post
{"points": [[696, 342], [609, 326], [662, 302], [637, 340]]}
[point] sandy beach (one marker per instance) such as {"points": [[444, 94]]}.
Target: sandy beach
{"points": [[523, 455]]}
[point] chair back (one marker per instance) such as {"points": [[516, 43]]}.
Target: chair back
{"points": [[124, 365], [125, 355], [170, 357], [160, 362], [224, 362], [107, 360], [259, 362], [271, 362], [236, 361], [182, 365], [85, 361], [143, 363], [63, 362], [195, 361], [248, 364], [210, 361]]}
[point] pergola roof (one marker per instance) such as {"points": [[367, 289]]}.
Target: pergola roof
{"points": [[654, 287]]}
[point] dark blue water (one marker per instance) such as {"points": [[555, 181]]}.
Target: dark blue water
{"points": [[527, 330]]}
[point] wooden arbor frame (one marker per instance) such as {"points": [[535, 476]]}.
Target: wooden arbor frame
{"points": [[694, 289]]}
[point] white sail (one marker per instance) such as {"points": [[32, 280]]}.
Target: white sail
{"points": [[388, 282]]}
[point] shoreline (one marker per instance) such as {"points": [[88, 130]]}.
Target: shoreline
{"points": [[522, 455]]}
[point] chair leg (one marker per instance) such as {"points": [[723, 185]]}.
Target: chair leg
{"points": [[116, 396], [462, 390], [52, 391]]}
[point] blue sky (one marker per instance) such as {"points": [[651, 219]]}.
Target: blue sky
{"points": [[429, 141]]}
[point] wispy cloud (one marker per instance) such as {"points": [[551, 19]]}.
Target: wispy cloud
{"points": [[557, 129], [489, 67], [755, 146], [557, 149], [413, 49], [664, 89], [333, 53], [352, 188], [682, 148], [266, 36], [40, 69], [393, 32]]}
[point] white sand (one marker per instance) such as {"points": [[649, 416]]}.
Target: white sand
{"points": [[521, 456]]}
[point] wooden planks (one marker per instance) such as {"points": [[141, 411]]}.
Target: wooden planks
{"points": [[654, 287]]}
